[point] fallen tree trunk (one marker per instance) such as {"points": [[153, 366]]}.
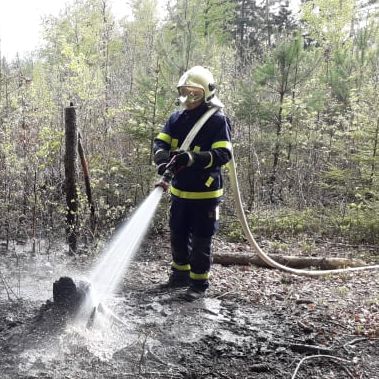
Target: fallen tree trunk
{"points": [[244, 259]]}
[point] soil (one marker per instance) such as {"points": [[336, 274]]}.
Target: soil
{"points": [[253, 323]]}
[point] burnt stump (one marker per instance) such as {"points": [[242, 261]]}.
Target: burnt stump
{"points": [[69, 294]]}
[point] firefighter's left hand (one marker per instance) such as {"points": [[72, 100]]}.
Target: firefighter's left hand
{"points": [[180, 161]]}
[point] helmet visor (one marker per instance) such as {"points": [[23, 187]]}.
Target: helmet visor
{"points": [[190, 95]]}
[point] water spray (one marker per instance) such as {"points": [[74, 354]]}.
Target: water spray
{"points": [[108, 273]]}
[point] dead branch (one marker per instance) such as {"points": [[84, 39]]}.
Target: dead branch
{"points": [[317, 356], [87, 182], [226, 294], [156, 358], [154, 374], [354, 341], [302, 348], [306, 328], [7, 288], [143, 353]]}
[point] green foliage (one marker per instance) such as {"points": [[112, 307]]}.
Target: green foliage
{"points": [[233, 231], [358, 223], [289, 222], [302, 99], [361, 222], [339, 76], [328, 21], [284, 223], [336, 180], [278, 70], [50, 144], [195, 33]]}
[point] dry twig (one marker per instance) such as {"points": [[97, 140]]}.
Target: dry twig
{"points": [[143, 353], [354, 341], [317, 356], [7, 288], [225, 294]]}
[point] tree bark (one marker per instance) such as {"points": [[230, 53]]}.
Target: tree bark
{"points": [[154, 118], [276, 154], [374, 153], [34, 214], [71, 174], [245, 259]]}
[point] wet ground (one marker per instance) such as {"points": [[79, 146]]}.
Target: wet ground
{"points": [[254, 323]]}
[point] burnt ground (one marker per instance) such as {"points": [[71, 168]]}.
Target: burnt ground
{"points": [[254, 322]]}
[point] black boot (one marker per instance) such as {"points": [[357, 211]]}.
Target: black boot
{"points": [[193, 294], [177, 279], [200, 266]]}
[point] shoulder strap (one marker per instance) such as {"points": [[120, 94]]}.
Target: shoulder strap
{"points": [[196, 128]]}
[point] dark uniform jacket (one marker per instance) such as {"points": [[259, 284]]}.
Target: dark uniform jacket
{"points": [[195, 183]]}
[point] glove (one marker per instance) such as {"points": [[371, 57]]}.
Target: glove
{"points": [[180, 161], [161, 168], [203, 159], [161, 158]]}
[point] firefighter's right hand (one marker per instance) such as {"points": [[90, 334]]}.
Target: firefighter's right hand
{"points": [[161, 168], [161, 158]]}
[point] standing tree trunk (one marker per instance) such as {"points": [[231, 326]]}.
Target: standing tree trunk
{"points": [[34, 215], [154, 120], [105, 52], [274, 174], [240, 33], [374, 153], [71, 174], [268, 25]]}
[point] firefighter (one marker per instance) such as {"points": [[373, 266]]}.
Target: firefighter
{"points": [[196, 187]]}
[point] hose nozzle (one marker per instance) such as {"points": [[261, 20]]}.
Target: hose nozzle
{"points": [[165, 180]]}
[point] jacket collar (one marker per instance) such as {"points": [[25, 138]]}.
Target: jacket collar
{"points": [[198, 111]]}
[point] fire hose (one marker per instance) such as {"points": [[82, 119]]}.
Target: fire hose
{"points": [[165, 183], [261, 254]]}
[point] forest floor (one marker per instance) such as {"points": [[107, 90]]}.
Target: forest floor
{"points": [[254, 322]]}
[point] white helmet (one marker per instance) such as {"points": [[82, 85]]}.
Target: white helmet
{"points": [[200, 77]]}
